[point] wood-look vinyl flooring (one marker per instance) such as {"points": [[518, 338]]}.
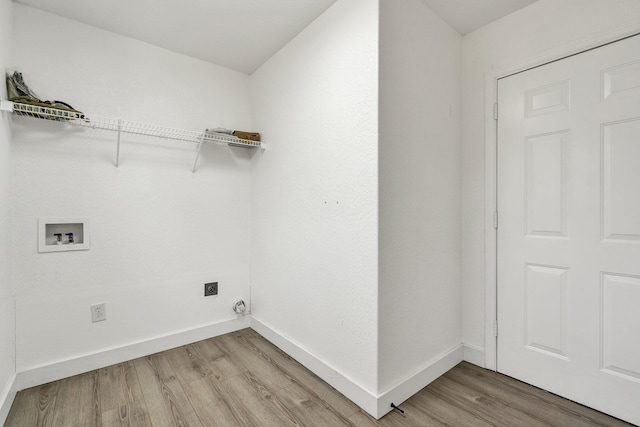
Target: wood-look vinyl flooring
{"points": [[240, 379]]}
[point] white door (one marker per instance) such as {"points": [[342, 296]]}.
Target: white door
{"points": [[569, 228]]}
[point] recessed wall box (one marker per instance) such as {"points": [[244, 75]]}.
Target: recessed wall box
{"points": [[74, 232]]}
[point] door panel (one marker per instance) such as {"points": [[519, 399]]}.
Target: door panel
{"points": [[546, 184], [569, 232], [621, 175]]}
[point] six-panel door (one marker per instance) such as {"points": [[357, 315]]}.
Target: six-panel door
{"points": [[569, 233]]}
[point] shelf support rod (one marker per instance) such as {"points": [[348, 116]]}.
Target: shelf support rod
{"points": [[118, 146], [195, 163]]}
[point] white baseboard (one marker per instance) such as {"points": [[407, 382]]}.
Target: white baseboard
{"points": [[6, 399], [475, 355], [374, 405], [430, 372], [353, 391], [78, 365]]}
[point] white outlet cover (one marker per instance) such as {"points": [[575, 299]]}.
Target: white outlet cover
{"points": [[98, 312]]}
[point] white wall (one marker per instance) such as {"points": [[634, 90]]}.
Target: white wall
{"points": [[158, 232], [314, 191], [545, 27], [419, 296], [310, 205], [7, 305]]}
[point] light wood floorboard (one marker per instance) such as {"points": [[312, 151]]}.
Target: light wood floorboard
{"points": [[240, 379]]}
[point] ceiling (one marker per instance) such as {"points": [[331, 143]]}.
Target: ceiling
{"points": [[468, 15], [239, 34]]}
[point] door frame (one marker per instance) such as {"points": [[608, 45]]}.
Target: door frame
{"points": [[491, 166]]}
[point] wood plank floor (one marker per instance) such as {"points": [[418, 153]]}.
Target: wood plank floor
{"points": [[240, 379]]}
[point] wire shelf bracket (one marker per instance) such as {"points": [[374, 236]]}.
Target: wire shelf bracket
{"points": [[121, 126], [118, 144], [195, 162]]}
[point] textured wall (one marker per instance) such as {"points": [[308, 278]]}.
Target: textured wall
{"points": [[314, 193], [542, 27], [419, 297], [158, 232], [7, 318]]}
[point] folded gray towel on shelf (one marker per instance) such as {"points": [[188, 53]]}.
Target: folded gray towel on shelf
{"points": [[219, 131]]}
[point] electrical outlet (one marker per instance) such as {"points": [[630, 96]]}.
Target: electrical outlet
{"points": [[98, 312], [210, 289]]}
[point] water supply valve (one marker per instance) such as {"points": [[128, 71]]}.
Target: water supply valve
{"points": [[239, 307]]}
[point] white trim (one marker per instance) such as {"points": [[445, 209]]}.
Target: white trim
{"points": [[6, 399], [491, 134], [375, 405], [474, 354], [352, 390], [568, 49], [491, 233], [89, 362], [433, 369]]}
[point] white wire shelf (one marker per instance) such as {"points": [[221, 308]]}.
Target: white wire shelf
{"points": [[125, 127]]}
